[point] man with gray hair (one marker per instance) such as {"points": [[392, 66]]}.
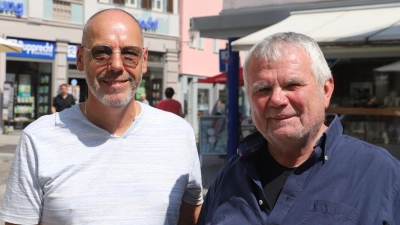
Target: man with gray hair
{"points": [[299, 168]]}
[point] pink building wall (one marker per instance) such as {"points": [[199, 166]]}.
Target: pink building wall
{"points": [[193, 61]]}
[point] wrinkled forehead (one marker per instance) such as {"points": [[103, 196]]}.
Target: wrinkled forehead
{"points": [[113, 25]]}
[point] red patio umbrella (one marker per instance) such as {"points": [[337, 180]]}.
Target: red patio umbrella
{"points": [[221, 78]]}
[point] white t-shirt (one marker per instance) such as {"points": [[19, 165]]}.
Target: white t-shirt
{"points": [[66, 170]]}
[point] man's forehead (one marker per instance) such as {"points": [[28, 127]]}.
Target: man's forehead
{"points": [[112, 20]]}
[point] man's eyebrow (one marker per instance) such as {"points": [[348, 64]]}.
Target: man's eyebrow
{"points": [[295, 80], [259, 85]]}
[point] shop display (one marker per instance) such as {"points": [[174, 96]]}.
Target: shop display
{"points": [[44, 99], [213, 135], [24, 109]]}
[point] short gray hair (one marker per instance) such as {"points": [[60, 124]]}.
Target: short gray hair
{"points": [[270, 49]]}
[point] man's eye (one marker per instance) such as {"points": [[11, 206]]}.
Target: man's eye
{"points": [[262, 90], [292, 86], [130, 53]]}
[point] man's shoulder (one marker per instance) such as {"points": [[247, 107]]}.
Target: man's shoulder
{"points": [[162, 116], [58, 119], [366, 153]]}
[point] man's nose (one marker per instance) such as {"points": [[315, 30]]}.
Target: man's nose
{"points": [[278, 98], [116, 62]]}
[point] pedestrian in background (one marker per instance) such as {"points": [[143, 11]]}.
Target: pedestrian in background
{"points": [[111, 159], [300, 168], [143, 99], [63, 100], [169, 104]]}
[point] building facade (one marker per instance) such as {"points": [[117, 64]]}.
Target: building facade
{"points": [[198, 59], [50, 30]]}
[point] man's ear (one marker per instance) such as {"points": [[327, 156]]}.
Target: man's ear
{"points": [[144, 63], [79, 58], [328, 90]]}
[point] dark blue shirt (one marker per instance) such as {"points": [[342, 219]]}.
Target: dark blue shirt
{"points": [[346, 181]]}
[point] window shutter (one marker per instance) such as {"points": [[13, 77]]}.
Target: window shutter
{"points": [[146, 4], [170, 6], [119, 2]]}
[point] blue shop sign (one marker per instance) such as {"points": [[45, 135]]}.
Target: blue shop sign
{"points": [[12, 7], [149, 25], [34, 49], [71, 52]]}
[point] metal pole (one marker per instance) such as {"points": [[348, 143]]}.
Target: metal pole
{"points": [[233, 98]]}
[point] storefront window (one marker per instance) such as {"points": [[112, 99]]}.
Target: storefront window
{"points": [[28, 91], [203, 102], [368, 101], [155, 57], [152, 84]]}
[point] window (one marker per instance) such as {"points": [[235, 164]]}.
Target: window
{"points": [[119, 2], [216, 46], [103, 1], [146, 4], [200, 45], [157, 5], [193, 41], [61, 11], [131, 3]]}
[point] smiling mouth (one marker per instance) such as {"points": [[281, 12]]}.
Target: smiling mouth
{"points": [[114, 82], [283, 117]]}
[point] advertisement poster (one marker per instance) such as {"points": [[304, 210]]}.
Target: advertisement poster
{"points": [[213, 135], [24, 87], [8, 101]]}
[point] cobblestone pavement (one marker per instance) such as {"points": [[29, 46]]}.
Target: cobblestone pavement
{"points": [[211, 164]]}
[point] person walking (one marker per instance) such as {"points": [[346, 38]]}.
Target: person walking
{"points": [[62, 100], [299, 168], [143, 99], [169, 104], [111, 159]]}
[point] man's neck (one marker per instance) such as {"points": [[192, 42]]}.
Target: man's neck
{"points": [[292, 154], [115, 120]]}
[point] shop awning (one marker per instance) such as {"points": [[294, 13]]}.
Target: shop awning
{"points": [[228, 25], [221, 78], [8, 46], [393, 67], [340, 26]]}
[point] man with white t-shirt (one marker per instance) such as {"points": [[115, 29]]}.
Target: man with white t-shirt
{"points": [[98, 162]]}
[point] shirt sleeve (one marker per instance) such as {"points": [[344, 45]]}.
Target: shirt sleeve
{"points": [[211, 194], [194, 190], [55, 101], [72, 100], [23, 197]]}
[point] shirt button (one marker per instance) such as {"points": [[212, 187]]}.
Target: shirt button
{"points": [[326, 157], [260, 202]]}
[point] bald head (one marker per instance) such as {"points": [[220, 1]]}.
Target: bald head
{"points": [[104, 18]]}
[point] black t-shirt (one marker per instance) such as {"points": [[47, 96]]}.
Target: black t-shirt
{"points": [[273, 175], [60, 103]]}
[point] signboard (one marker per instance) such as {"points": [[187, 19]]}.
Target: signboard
{"points": [[10, 7], [71, 52], [149, 24], [223, 60], [213, 135], [34, 49]]}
